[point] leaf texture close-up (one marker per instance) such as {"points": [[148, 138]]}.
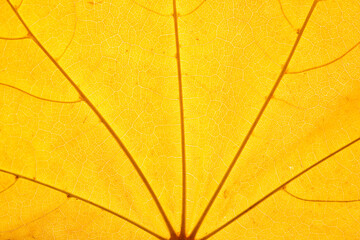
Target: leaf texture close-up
{"points": [[178, 119]]}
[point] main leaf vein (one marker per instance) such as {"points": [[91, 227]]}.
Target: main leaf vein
{"points": [[279, 188], [253, 126], [102, 119], [181, 103], [70, 195]]}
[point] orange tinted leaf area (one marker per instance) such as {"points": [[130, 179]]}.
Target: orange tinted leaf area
{"points": [[179, 120]]}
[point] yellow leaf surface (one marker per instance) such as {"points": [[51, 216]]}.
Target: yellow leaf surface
{"points": [[181, 120]]}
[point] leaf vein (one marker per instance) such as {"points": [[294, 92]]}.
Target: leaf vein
{"points": [[325, 64], [182, 123], [318, 200], [279, 188], [70, 195], [257, 119], [11, 185], [192, 11], [40, 98], [102, 119], [151, 10], [286, 18], [15, 38]]}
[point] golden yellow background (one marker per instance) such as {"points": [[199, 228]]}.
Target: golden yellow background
{"points": [[123, 57]]}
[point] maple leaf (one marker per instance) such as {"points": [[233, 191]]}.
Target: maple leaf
{"points": [[179, 120]]}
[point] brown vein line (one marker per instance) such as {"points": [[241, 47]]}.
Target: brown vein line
{"points": [[181, 103], [15, 38], [283, 13], [278, 188], [317, 200], [243, 144], [44, 99], [149, 9], [288, 103], [186, 14], [8, 187], [68, 194], [72, 37], [40, 217], [103, 120], [325, 64], [17, 7], [93, 2]]}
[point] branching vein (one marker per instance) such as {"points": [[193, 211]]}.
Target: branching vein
{"points": [[325, 64], [40, 217], [194, 10], [15, 38], [40, 98], [286, 18], [151, 10], [319, 200], [102, 119], [253, 126], [8, 187], [70, 195], [279, 188]]}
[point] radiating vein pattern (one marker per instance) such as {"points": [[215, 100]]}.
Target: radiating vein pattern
{"points": [[252, 206], [254, 124], [102, 119], [176, 119], [70, 195]]}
